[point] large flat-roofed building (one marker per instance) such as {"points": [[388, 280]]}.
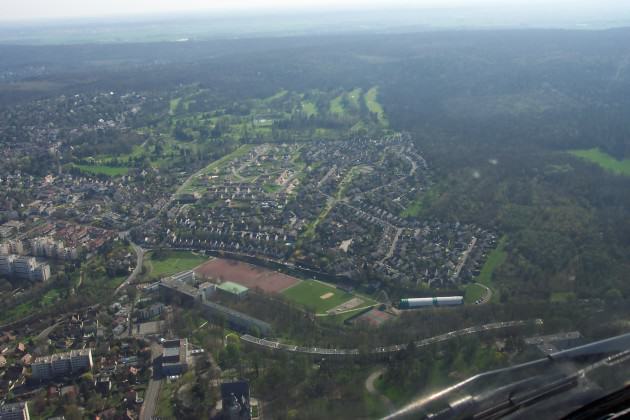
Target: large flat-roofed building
{"points": [[16, 411], [175, 356], [178, 291], [6, 264], [41, 273], [24, 268], [184, 277], [15, 247], [232, 289], [181, 293], [63, 364]]}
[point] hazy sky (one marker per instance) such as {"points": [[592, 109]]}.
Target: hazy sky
{"points": [[52, 9]]}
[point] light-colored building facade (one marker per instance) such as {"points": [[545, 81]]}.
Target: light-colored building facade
{"points": [[24, 268], [63, 364]]}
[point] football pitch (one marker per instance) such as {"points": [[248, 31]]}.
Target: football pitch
{"points": [[316, 295]]}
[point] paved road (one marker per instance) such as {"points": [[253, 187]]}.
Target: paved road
{"points": [[139, 260], [153, 390], [487, 296], [325, 351], [392, 247], [369, 386], [44, 334]]}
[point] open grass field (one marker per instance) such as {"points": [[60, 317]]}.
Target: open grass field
{"points": [[175, 262], [173, 104], [495, 259], [473, 293], [413, 209], [336, 106], [309, 108], [316, 295], [604, 160], [371, 101], [354, 97], [103, 170]]}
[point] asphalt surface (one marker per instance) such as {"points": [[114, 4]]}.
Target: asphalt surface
{"points": [[153, 390], [136, 271], [324, 351], [371, 388], [487, 297]]}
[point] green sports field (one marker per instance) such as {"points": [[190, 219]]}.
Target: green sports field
{"points": [[103, 170], [175, 262], [309, 293]]}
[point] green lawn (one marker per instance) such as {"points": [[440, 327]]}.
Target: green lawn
{"points": [[495, 259], [103, 170], [165, 407], [473, 293], [413, 209], [562, 297], [308, 293], [16, 312], [50, 297], [604, 160], [173, 104], [271, 188], [336, 106], [354, 97], [371, 101], [309, 108], [175, 262], [278, 95]]}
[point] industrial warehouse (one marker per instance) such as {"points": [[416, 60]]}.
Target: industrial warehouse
{"points": [[413, 303]]}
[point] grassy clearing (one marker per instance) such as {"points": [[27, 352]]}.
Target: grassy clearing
{"points": [[20, 311], [278, 95], [413, 209], [604, 160], [164, 407], [562, 297], [173, 104], [354, 97], [336, 106], [495, 259], [473, 293], [309, 294], [309, 108], [271, 188], [102, 169], [173, 262], [371, 101], [50, 297]]}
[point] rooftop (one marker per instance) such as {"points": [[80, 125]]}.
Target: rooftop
{"points": [[234, 288]]}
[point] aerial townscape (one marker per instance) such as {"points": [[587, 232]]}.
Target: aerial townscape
{"points": [[308, 227]]}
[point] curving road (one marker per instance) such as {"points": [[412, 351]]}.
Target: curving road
{"points": [[324, 351], [487, 296], [371, 388], [139, 260]]}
